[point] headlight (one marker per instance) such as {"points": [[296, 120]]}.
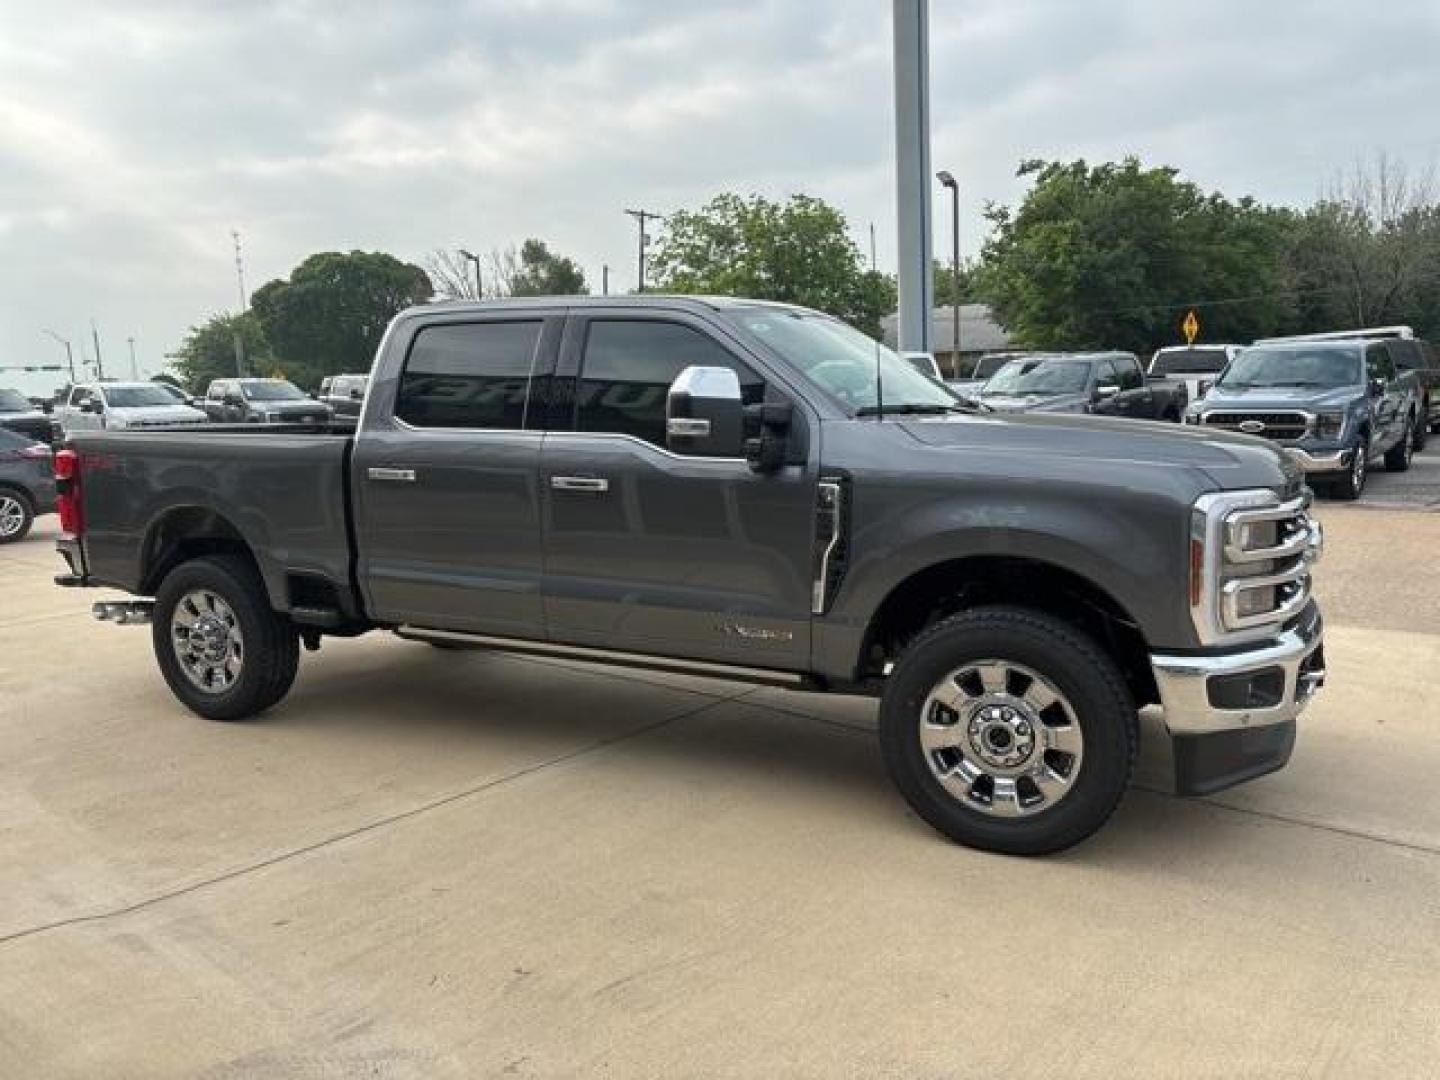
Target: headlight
{"points": [[1330, 425]]}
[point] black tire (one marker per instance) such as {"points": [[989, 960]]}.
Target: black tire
{"points": [[271, 645], [1397, 458], [1352, 486], [12, 502], [1070, 660], [1422, 431]]}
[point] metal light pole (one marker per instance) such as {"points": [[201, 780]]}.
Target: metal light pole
{"points": [[69, 353], [604, 279], [641, 217], [134, 367], [471, 257], [240, 271], [946, 180], [912, 173], [99, 363]]}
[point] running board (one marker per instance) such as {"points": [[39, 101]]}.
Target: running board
{"points": [[674, 665]]}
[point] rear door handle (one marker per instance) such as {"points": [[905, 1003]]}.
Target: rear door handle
{"points": [[579, 483], [403, 476]]}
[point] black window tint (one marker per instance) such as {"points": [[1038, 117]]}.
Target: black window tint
{"points": [[1377, 363], [469, 375], [628, 369], [1108, 376], [1129, 369]]}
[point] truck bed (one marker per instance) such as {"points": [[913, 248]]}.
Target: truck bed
{"points": [[284, 492]]}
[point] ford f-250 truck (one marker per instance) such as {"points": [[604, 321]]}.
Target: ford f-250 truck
{"points": [[751, 490]]}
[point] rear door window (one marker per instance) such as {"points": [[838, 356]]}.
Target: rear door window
{"points": [[469, 375], [1129, 371]]}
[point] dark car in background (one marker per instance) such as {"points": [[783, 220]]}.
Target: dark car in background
{"points": [[1333, 405], [262, 401], [344, 394], [1104, 383], [27, 483], [975, 373], [18, 413]]}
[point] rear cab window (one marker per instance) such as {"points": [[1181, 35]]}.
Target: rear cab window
{"points": [[470, 375]]}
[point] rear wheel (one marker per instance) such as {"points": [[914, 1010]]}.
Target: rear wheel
{"points": [[17, 514], [1397, 458], [226, 654], [1009, 730], [1422, 430]]}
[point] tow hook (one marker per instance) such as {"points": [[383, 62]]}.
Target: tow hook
{"points": [[124, 612], [311, 640]]}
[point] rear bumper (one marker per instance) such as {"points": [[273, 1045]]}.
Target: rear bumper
{"points": [[1232, 715]]}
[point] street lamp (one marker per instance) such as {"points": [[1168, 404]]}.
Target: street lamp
{"points": [[471, 257], [946, 180], [69, 353]]}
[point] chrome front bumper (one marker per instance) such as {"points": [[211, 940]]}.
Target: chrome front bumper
{"points": [[1323, 462], [1265, 685]]}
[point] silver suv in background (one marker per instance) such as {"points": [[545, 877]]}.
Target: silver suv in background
{"points": [[262, 401], [112, 406]]}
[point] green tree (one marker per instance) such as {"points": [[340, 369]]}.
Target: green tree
{"points": [[541, 272], [944, 281], [1113, 255], [208, 351], [798, 251], [329, 316]]}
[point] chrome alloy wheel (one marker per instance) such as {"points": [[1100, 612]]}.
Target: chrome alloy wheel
{"points": [[1001, 738], [207, 641], [12, 515], [1357, 470]]}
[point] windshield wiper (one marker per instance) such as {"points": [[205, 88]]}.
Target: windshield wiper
{"points": [[912, 408]]}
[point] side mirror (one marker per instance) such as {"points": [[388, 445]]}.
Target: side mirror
{"points": [[705, 414], [1377, 387], [47, 407], [357, 394], [1105, 391]]}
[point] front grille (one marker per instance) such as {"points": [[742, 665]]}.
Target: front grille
{"points": [[1275, 425]]}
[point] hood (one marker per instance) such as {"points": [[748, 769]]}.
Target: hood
{"points": [[1281, 397], [1035, 402], [1230, 461]]}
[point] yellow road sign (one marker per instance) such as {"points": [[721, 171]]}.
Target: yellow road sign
{"points": [[1190, 326]]}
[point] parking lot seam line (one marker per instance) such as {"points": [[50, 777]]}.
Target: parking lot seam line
{"points": [[373, 826]]}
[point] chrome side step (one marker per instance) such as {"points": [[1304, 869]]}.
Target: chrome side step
{"points": [[676, 665], [124, 612]]}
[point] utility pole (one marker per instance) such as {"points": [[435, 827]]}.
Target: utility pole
{"points": [[134, 368], [473, 258], [99, 363], [641, 217], [69, 353], [912, 173], [240, 271], [605, 279], [872, 247], [948, 181]]}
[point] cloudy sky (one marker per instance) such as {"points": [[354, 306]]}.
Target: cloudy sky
{"points": [[135, 135]]}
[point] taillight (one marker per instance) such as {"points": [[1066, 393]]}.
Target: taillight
{"points": [[67, 492]]}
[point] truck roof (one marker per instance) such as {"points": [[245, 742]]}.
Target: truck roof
{"points": [[672, 301]]}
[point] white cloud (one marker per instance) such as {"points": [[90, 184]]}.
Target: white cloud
{"points": [[134, 136]]}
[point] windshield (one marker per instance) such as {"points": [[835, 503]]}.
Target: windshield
{"points": [[842, 361], [14, 401], [276, 390], [136, 397], [1020, 377], [1316, 366], [174, 391], [1200, 361]]}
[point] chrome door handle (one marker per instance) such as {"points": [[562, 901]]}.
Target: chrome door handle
{"points": [[579, 483], [404, 476]]}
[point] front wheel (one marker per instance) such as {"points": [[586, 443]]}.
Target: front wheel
{"points": [[1397, 458], [1352, 486], [1009, 730], [226, 654]]}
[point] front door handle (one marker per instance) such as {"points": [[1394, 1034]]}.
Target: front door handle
{"points": [[403, 476], [579, 483]]}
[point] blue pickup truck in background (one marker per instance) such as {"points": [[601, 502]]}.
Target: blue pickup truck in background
{"points": [[1335, 402]]}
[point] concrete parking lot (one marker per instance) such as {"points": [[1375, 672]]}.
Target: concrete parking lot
{"points": [[436, 864]]}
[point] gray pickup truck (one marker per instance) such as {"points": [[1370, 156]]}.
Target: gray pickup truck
{"points": [[749, 490]]}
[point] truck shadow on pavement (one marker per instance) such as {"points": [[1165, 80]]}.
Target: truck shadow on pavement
{"points": [[535, 714]]}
